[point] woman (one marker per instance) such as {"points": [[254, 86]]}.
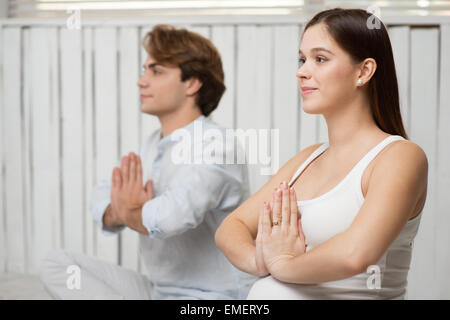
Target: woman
{"points": [[360, 195]]}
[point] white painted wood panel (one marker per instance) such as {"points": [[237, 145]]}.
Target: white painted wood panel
{"points": [[223, 37], [285, 108], [45, 118], [443, 168], [28, 146], [72, 138], [202, 30], [424, 112], [12, 152], [129, 112], [106, 123], [254, 96], [88, 135], [3, 256], [55, 141]]}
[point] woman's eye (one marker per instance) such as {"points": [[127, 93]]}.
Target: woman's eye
{"points": [[155, 72], [318, 59]]}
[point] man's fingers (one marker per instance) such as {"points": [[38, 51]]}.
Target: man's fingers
{"points": [[149, 189], [139, 169], [133, 174], [116, 178], [113, 178], [124, 169]]}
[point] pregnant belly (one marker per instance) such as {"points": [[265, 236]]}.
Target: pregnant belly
{"points": [[269, 288]]}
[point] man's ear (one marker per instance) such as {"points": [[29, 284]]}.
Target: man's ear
{"points": [[193, 86]]}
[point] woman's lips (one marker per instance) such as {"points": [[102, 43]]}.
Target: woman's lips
{"points": [[144, 97], [306, 92]]}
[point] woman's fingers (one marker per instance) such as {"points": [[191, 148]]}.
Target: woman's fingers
{"points": [[294, 211], [276, 212], [266, 223], [300, 231], [260, 219], [285, 207]]}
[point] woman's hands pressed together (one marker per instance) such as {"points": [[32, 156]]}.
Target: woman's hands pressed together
{"points": [[280, 235]]}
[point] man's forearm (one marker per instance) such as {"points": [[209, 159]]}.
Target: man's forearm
{"points": [[134, 221], [109, 218]]}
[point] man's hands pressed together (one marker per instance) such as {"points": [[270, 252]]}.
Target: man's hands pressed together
{"points": [[128, 195]]}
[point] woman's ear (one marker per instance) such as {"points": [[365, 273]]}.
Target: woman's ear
{"points": [[368, 68], [193, 86]]}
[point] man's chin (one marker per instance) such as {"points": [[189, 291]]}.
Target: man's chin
{"points": [[150, 111], [157, 111]]}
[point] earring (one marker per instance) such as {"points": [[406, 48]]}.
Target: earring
{"points": [[359, 81]]}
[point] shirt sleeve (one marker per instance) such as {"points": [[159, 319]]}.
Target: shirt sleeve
{"points": [[100, 199], [197, 190]]}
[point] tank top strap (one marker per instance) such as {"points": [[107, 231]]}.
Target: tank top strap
{"points": [[360, 166], [364, 162], [311, 157]]}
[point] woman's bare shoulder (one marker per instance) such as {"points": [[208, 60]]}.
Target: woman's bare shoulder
{"points": [[406, 152], [403, 158], [296, 161]]}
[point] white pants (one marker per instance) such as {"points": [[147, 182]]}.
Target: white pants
{"points": [[98, 279]]}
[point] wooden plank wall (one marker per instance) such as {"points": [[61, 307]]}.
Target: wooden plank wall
{"points": [[70, 110]]}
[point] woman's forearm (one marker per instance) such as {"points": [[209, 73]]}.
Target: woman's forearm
{"points": [[235, 241], [330, 261]]}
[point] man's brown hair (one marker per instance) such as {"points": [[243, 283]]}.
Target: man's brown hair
{"points": [[195, 55]]}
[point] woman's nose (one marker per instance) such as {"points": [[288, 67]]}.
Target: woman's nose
{"points": [[302, 72]]}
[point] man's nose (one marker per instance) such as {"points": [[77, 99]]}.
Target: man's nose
{"points": [[142, 82]]}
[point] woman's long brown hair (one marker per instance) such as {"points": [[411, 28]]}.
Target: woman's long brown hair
{"points": [[349, 28]]}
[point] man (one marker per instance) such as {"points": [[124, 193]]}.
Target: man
{"points": [[178, 210]]}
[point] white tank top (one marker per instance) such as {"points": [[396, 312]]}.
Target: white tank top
{"points": [[331, 213]]}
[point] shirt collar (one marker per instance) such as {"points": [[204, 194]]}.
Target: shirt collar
{"points": [[165, 141]]}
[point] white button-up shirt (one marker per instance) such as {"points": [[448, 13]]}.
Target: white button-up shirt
{"points": [[189, 203]]}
